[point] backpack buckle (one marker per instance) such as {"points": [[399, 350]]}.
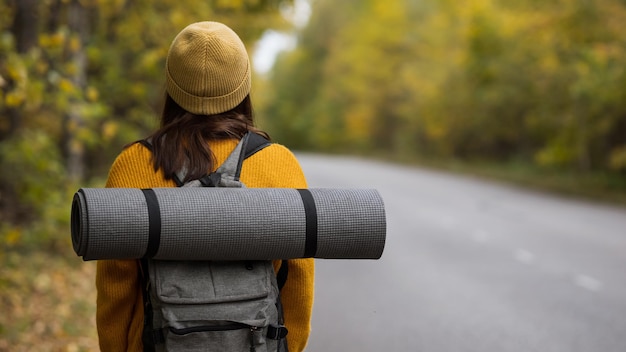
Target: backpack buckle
{"points": [[276, 332], [211, 180]]}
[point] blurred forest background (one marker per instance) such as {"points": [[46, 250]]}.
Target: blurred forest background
{"points": [[533, 87], [527, 91]]}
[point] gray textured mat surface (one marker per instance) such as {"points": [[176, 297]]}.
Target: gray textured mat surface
{"points": [[228, 223]]}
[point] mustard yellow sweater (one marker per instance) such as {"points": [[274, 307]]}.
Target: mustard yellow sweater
{"points": [[120, 303]]}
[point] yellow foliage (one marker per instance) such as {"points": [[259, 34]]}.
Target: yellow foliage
{"points": [[65, 85], [74, 44], [92, 93], [76, 146], [177, 17], [230, 4], [582, 69], [14, 99], [138, 89], [358, 123], [152, 57], [386, 10], [479, 6], [42, 67], [436, 131], [549, 63], [55, 40], [16, 71], [559, 153], [72, 126], [114, 6], [109, 130], [617, 160], [12, 236]]}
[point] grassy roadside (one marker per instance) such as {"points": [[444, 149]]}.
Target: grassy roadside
{"points": [[596, 187], [600, 187]]}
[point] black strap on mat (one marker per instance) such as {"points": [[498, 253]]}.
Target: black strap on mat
{"points": [[154, 223], [310, 244]]}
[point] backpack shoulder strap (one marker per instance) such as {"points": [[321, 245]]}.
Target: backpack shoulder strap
{"points": [[227, 175], [281, 275], [249, 144], [255, 143], [146, 143]]}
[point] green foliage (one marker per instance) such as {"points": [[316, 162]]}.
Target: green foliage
{"points": [[34, 192]]}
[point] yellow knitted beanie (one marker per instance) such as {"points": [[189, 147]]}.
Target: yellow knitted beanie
{"points": [[208, 70]]}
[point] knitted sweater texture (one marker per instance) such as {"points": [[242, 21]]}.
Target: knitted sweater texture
{"points": [[120, 303]]}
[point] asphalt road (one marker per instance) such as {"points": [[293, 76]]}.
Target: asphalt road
{"points": [[472, 266]]}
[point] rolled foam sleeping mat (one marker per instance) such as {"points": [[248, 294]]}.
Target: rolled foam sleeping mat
{"points": [[207, 223]]}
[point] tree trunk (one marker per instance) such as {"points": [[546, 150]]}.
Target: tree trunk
{"points": [[24, 30], [25, 24], [74, 121]]}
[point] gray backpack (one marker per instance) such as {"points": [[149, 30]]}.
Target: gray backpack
{"points": [[214, 305]]}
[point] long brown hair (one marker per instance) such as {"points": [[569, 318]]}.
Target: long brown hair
{"points": [[181, 140]]}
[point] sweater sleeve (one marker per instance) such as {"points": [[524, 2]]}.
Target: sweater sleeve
{"points": [[118, 300], [119, 313], [284, 171], [297, 299]]}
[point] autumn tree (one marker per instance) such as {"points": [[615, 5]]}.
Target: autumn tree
{"points": [[530, 82], [79, 80]]}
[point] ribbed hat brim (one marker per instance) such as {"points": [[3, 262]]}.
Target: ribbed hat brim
{"points": [[208, 105]]}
